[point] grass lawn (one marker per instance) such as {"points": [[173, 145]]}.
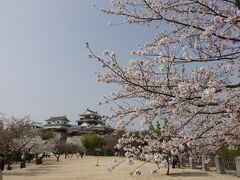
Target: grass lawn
{"points": [[86, 169]]}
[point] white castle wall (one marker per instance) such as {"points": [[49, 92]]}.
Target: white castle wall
{"points": [[74, 140]]}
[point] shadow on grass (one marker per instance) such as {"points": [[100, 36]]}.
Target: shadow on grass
{"points": [[36, 171], [189, 174]]}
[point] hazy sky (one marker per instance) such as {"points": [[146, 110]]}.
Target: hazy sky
{"points": [[44, 66]]}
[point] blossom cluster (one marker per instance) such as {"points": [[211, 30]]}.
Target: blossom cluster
{"points": [[189, 74]]}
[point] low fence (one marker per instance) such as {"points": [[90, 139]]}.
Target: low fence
{"points": [[217, 163], [197, 163], [227, 166]]}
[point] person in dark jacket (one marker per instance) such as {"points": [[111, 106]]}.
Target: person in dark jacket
{"points": [[81, 153], [175, 160]]}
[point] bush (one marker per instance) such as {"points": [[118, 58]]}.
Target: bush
{"points": [[91, 142], [47, 134], [228, 154]]}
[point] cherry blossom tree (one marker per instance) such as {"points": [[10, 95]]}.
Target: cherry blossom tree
{"points": [[63, 148], [17, 136], [40, 147], [14, 136], [12, 131], [189, 73]]}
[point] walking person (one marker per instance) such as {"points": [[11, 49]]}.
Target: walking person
{"points": [[205, 163], [81, 154], [175, 158], [23, 160]]}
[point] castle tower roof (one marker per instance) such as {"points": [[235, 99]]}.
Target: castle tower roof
{"points": [[90, 112], [58, 118], [90, 117]]}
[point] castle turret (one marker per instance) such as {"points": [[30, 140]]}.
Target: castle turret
{"points": [[91, 121], [89, 117], [58, 123]]}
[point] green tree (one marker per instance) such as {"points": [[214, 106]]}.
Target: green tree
{"points": [[227, 153], [91, 142], [47, 134]]}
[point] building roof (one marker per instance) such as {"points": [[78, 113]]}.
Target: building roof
{"points": [[90, 116], [84, 124], [57, 118], [90, 112], [36, 124]]}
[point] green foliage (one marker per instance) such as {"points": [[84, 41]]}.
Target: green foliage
{"points": [[227, 153], [47, 134], [91, 142]]}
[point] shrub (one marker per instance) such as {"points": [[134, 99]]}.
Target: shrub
{"points": [[91, 142]]}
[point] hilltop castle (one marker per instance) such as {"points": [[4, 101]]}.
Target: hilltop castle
{"points": [[89, 121]]}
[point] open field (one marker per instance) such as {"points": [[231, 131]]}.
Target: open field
{"points": [[86, 169]]}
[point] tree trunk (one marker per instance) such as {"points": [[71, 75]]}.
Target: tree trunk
{"points": [[1, 175], [9, 162], [36, 161], [9, 165], [167, 166], [39, 160], [182, 163], [57, 155], [29, 156]]}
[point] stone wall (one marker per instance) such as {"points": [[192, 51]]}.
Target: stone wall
{"points": [[74, 140]]}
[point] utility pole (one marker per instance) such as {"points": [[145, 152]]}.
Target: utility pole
{"points": [[97, 150]]}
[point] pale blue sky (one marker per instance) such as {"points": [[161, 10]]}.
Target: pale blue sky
{"points": [[44, 70]]}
